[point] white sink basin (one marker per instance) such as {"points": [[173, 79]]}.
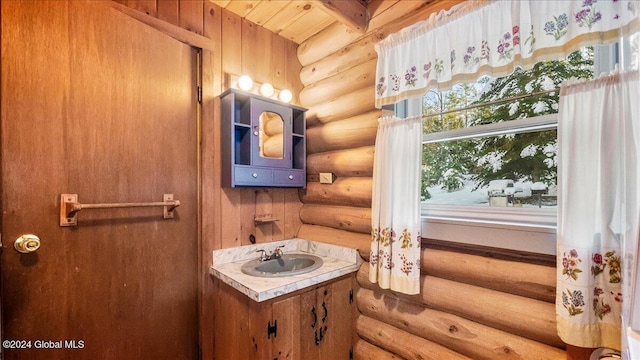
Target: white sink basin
{"points": [[286, 265], [269, 281]]}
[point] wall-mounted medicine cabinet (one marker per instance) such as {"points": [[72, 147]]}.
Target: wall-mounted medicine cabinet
{"points": [[263, 141]]}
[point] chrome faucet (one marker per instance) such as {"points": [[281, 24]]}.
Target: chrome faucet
{"points": [[276, 254], [263, 255]]}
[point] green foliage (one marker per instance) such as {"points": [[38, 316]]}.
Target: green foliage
{"points": [[444, 163], [520, 157], [543, 76]]}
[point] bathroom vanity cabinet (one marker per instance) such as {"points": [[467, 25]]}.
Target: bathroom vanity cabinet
{"points": [[313, 323], [263, 141]]}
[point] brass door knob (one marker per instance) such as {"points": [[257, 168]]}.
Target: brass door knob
{"points": [[27, 243]]}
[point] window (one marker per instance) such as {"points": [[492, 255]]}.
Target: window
{"points": [[489, 155], [469, 41]]}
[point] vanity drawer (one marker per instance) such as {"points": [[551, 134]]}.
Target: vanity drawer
{"points": [[252, 176], [289, 177]]}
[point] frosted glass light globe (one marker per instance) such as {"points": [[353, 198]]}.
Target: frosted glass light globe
{"points": [[285, 95], [245, 82], [266, 89]]}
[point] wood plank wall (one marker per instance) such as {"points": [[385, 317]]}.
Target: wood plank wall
{"points": [[471, 306], [241, 47]]}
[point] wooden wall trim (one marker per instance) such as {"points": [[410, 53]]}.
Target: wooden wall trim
{"points": [[171, 30], [491, 252]]}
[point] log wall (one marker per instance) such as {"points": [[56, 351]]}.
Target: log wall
{"points": [[470, 306], [239, 47]]}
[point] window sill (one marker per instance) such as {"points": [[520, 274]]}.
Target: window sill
{"points": [[522, 217], [529, 229]]}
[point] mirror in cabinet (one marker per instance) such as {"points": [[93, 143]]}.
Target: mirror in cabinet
{"points": [[263, 141], [271, 127]]}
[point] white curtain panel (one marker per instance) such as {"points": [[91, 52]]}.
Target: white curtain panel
{"points": [[631, 283], [493, 37], [598, 207], [395, 217]]}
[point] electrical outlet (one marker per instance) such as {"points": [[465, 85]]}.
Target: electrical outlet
{"points": [[326, 178]]}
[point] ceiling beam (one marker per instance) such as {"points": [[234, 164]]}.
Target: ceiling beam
{"points": [[352, 13]]}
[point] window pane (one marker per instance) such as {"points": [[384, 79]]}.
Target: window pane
{"points": [[450, 103], [485, 169], [508, 170], [522, 94]]}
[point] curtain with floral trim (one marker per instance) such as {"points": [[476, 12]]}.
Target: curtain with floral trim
{"points": [[493, 37], [394, 261], [598, 206]]}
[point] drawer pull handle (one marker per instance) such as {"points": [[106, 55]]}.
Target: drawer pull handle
{"points": [[255, 175]]}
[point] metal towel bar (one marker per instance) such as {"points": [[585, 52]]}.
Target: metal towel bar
{"points": [[69, 207]]}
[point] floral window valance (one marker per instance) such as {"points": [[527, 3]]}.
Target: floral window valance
{"points": [[493, 37]]}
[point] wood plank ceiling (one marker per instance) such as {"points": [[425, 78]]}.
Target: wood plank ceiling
{"points": [[298, 20]]}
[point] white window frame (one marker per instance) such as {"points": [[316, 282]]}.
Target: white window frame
{"points": [[523, 217], [501, 227], [520, 229]]}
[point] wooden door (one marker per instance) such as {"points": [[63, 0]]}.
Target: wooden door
{"points": [[97, 104], [327, 321], [246, 329]]}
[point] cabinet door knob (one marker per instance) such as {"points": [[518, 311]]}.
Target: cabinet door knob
{"points": [[255, 175], [290, 177]]}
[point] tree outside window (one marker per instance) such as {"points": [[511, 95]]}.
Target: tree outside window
{"points": [[524, 165]]}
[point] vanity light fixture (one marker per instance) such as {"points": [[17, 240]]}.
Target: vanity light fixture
{"points": [[266, 90], [245, 83], [285, 96]]}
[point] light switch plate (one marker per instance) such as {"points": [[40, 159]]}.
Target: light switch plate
{"points": [[326, 178]]}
